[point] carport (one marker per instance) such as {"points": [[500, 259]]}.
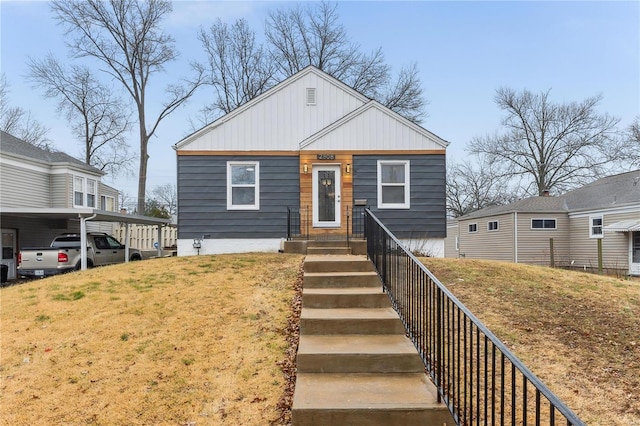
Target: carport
{"points": [[84, 215]]}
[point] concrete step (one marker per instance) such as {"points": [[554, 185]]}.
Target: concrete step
{"points": [[327, 243], [367, 399], [341, 279], [344, 263], [349, 297], [329, 250], [358, 354], [350, 321]]}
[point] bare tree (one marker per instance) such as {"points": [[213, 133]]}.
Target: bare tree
{"points": [[632, 146], [98, 119], [312, 35], [238, 68], [19, 123], [475, 184], [126, 37], [166, 196], [555, 146]]}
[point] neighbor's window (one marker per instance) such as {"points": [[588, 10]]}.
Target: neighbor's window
{"points": [[107, 203], [492, 225], [393, 184], [78, 191], [457, 243], [543, 224], [595, 226], [473, 227], [243, 185], [91, 193]]}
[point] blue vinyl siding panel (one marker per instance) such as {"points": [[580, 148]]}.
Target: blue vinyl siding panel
{"points": [[427, 216], [202, 198]]}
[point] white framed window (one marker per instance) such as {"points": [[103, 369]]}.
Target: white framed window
{"points": [[473, 227], [492, 225], [107, 203], [457, 243], [91, 193], [243, 185], [393, 184], [78, 191], [84, 192], [595, 226], [543, 224]]}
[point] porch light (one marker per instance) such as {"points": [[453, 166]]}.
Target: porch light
{"points": [[305, 168], [347, 169]]}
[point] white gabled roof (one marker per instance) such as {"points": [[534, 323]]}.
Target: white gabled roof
{"points": [[264, 113], [340, 118], [373, 127]]}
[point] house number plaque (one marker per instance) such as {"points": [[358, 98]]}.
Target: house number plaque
{"points": [[326, 156]]}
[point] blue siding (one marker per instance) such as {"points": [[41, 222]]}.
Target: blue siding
{"points": [[427, 216], [202, 198]]}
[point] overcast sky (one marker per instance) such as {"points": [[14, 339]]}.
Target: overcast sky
{"points": [[464, 50]]}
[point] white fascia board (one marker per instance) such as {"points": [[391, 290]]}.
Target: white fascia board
{"points": [[306, 144], [627, 208], [275, 89]]}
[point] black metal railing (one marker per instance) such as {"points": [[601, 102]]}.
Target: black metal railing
{"points": [[299, 222], [478, 378]]}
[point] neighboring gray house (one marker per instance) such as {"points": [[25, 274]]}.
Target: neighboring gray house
{"points": [[309, 143], [607, 210], [44, 194]]}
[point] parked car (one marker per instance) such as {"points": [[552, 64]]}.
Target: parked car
{"points": [[63, 255]]}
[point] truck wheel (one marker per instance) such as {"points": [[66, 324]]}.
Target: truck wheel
{"points": [[79, 265], [135, 257]]}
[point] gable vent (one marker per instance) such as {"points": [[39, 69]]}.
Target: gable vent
{"points": [[311, 95]]}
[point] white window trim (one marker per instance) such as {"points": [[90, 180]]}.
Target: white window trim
{"points": [[457, 243], [469, 230], [103, 205], [85, 191], [544, 218], [230, 205], [596, 216], [497, 225], [406, 184]]}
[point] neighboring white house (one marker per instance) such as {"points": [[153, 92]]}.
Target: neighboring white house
{"points": [[568, 229], [44, 194]]}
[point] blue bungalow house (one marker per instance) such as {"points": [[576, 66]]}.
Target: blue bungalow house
{"points": [[312, 145]]}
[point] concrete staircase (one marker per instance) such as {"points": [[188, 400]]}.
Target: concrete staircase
{"points": [[328, 247], [355, 365]]}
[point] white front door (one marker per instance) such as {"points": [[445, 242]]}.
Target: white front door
{"points": [[634, 255], [326, 196], [9, 251]]}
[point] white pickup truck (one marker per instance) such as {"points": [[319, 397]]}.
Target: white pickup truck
{"points": [[63, 255]]}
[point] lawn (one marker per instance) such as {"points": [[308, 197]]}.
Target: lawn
{"points": [[173, 341], [578, 332]]}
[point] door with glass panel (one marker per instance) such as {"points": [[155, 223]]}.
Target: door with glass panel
{"points": [[326, 196], [634, 266]]}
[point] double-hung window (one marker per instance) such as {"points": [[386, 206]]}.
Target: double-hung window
{"points": [[91, 193], [78, 191], [595, 226], [84, 192], [107, 203], [243, 185], [393, 184]]}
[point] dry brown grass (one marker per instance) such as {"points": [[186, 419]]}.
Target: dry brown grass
{"points": [[179, 341], [578, 332]]}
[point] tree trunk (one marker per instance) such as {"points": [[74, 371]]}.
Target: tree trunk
{"points": [[144, 157]]}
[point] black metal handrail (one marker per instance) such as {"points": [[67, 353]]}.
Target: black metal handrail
{"points": [[299, 222], [478, 378]]}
